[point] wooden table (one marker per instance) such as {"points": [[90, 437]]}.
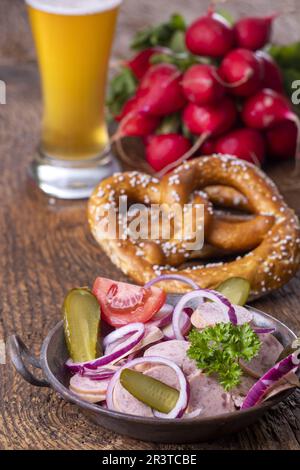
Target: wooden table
{"points": [[46, 249]]}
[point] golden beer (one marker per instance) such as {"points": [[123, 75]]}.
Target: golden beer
{"points": [[73, 41], [73, 48]]}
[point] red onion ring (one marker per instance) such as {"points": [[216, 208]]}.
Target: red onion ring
{"points": [[172, 277], [193, 414], [185, 325], [261, 330], [260, 388], [120, 333], [102, 373], [163, 317], [183, 398], [200, 294], [110, 358], [99, 376]]}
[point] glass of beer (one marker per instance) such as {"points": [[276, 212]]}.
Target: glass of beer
{"points": [[73, 40]]}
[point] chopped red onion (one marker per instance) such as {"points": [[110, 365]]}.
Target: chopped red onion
{"points": [[114, 356], [261, 387], [172, 277], [201, 294], [183, 398]]}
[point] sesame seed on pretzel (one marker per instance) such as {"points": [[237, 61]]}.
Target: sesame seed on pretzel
{"points": [[266, 244]]}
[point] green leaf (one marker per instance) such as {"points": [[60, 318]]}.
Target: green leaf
{"points": [[121, 88], [287, 56], [183, 60], [177, 22], [177, 42], [288, 59], [226, 15], [159, 35], [170, 124], [218, 349]]}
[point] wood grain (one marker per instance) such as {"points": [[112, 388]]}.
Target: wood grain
{"points": [[46, 248]]}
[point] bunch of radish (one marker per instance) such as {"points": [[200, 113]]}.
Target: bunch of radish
{"points": [[227, 98]]}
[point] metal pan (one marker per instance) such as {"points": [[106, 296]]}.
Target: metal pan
{"points": [[52, 359]]}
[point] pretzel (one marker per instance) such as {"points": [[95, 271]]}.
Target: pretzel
{"points": [[228, 197], [270, 236]]}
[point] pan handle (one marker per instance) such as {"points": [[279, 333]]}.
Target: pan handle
{"points": [[20, 355]]}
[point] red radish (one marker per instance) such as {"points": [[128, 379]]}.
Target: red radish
{"points": [[140, 63], [208, 148], [247, 144], [160, 91], [137, 124], [205, 121], [210, 35], [253, 33], [129, 106], [242, 71], [266, 109], [210, 120], [146, 139], [200, 85], [282, 140], [272, 74], [165, 149]]}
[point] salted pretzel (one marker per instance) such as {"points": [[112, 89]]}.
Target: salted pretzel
{"points": [[267, 239]]}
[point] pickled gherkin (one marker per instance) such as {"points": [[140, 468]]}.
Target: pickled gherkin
{"points": [[81, 314], [149, 391], [235, 289]]}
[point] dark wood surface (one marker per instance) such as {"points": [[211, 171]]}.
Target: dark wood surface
{"points": [[46, 248]]}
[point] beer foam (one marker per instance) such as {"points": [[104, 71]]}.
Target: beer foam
{"points": [[73, 7]]}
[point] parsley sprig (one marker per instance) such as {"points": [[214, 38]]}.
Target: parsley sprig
{"points": [[218, 349]]}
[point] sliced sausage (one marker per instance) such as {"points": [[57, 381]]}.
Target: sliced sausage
{"points": [[176, 351], [239, 392], [89, 390], [127, 403], [209, 396], [209, 314], [267, 357], [164, 374]]}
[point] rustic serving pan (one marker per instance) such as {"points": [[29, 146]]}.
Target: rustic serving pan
{"points": [[54, 355]]}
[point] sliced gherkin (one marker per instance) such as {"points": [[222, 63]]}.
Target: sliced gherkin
{"points": [[81, 314], [235, 289], [150, 391]]}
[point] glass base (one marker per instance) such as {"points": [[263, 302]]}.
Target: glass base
{"points": [[71, 180]]}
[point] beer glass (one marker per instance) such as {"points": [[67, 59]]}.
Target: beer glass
{"points": [[73, 40]]}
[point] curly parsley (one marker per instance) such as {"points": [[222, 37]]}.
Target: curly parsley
{"points": [[218, 349]]}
